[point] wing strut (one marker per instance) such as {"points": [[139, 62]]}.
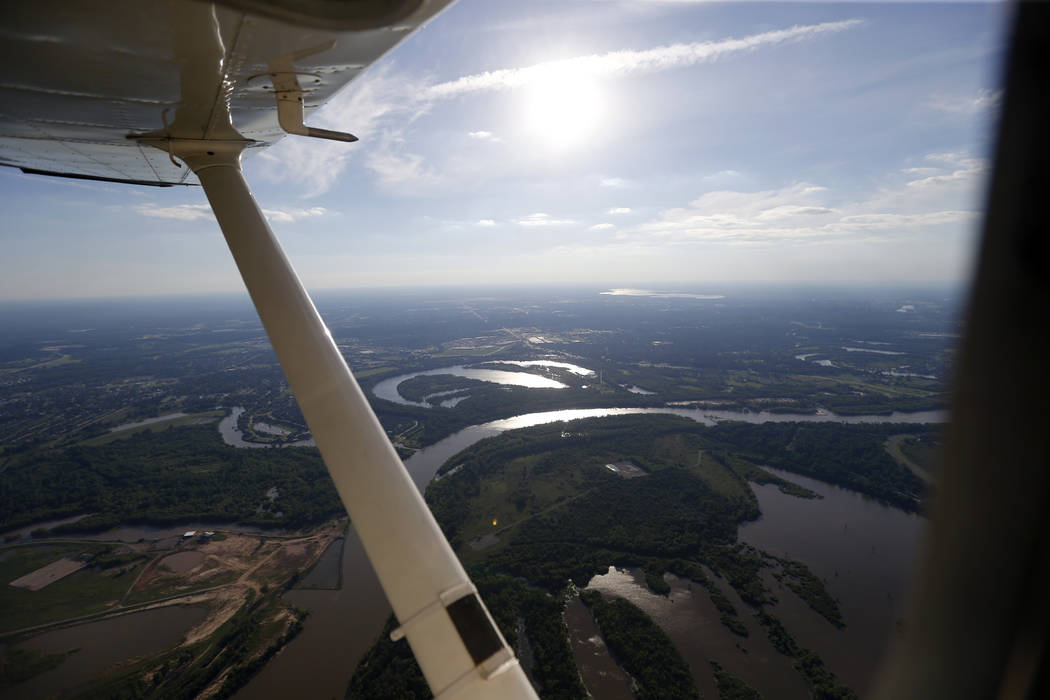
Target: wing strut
{"points": [[457, 644]]}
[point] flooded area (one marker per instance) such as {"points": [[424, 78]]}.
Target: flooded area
{"points": [[600, 674], [575, 369], [711, 416], [343, 623], [327, 572], [387, 389], [233, 437], [101, 644], [863, 551], [690, 619]]}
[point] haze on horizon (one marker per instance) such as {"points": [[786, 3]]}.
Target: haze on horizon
{"points": [[598, 143]]}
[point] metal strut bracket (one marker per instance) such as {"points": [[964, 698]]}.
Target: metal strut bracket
{"points": [[289, 93], [444, 600], [290, 110]]}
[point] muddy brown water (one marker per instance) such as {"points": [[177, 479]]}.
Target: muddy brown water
{"points": [[691, 620], [600, 674], [865, 553], [104, 643], [345, 622]]}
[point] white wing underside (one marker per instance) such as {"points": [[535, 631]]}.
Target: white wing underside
{"points": [[80, 80]]}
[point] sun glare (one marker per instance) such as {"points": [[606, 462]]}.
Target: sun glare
{"points": [[563, 110]]}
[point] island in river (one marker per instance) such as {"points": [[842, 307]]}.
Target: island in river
{"points": [[540, 508], [118, 443]]}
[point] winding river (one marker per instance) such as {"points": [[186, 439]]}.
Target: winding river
{"points": [[387, 388], [343, 623]]}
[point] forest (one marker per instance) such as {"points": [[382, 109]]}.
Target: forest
{"points": [[642, 649], [161, 478], [569, 519]]}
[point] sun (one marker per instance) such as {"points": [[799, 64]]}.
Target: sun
{"points": [[562, 109]]}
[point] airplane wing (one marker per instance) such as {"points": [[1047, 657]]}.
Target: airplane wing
{"points": [[83, 82], [173, 93]]}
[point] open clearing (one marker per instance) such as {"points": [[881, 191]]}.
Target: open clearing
{"points": [[46, 575]]}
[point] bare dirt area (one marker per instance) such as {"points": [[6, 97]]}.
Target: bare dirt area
{"points": [[46, 575], [290, 557], [223, 574], [223, 604], [200, 564]]}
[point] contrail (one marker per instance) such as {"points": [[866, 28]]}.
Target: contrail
{"points": [[628, 62]]}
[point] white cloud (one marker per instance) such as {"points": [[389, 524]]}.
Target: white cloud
{"points": [[785, 211], [963, 169], [383, 103], [202, 212], [620, 210], [984, 101], [377, 108], [486, 222], [541, 219], [921, 171], [181, 212], [393, 165], [603, 227], [805, 213], [630, 62], [889, 220], [287, 216]]}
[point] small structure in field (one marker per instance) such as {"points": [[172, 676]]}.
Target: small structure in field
{"points": [[188, 534], [626, 469]]}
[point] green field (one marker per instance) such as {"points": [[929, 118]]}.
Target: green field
{"points": [[87, 591]]}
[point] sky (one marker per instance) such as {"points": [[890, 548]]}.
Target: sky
{"points": [[602, 142]]}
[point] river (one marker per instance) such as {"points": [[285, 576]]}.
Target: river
{"points": [[692, 622], [862, 550], [343, 623], [387, 388]]}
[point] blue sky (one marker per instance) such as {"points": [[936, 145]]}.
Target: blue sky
{"points": [[597, 142]]}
